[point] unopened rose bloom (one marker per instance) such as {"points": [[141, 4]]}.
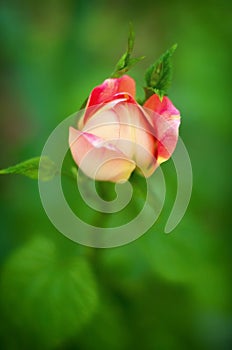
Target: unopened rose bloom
{"points": [[116, 135]]}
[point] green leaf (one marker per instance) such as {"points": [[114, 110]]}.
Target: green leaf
{"points": [[159, 75], [47, 294], [126, 62], [31, 166]]}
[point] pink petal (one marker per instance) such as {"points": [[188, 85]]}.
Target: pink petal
{"points": [[161, 107], [136, 138], [109, 90], [105, 121], [127, 85], [166, 122], [106, 91], [125, 126], [104, 124], [167, 132], [98, 159]]}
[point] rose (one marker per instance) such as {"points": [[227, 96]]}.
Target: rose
{"points": [[116, 135]]}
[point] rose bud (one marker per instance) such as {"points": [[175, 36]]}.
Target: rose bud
{"points": [[116, 135]]}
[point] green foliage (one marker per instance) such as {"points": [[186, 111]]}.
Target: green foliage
{"points": [[159, 75], [169, 292], [125, 63], [108, 328], [41, 167], [47, 293]]}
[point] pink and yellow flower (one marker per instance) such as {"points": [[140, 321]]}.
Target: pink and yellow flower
{"points": [[116, 135]]}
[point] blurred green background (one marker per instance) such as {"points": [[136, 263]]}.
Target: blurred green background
{"points": [[162, 291]]}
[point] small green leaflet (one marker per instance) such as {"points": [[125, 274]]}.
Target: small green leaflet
{"points": [[159, 75], [47, 168], [126, 62]]}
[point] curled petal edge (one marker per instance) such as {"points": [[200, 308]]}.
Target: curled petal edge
{"points": [[110, 87]]}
